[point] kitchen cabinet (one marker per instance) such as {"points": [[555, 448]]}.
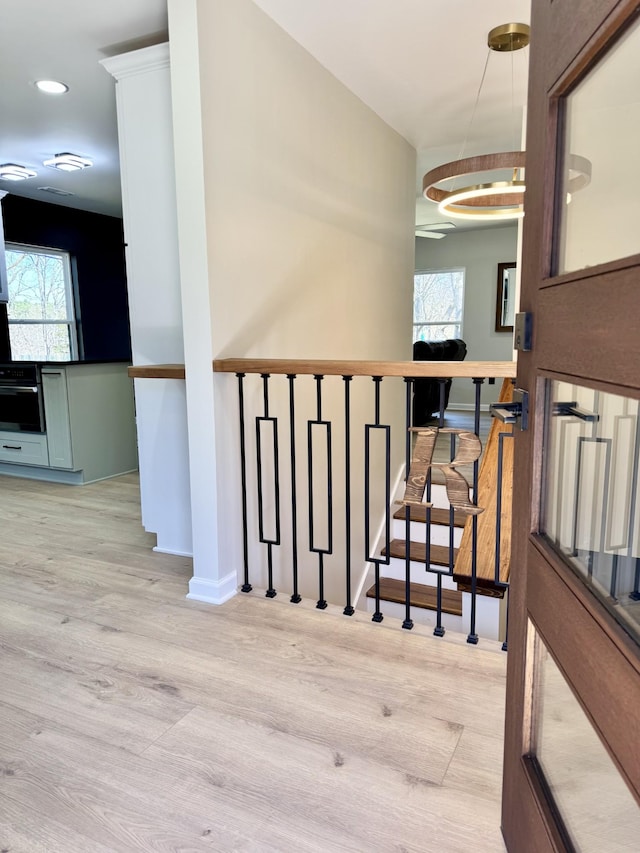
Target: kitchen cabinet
{"points": [[90, 427], [25, 448]]}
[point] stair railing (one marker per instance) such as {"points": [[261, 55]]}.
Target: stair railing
{"points": [[324, 448]]}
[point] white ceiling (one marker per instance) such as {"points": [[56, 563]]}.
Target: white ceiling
{"points": [[65, 40], [416, 63]]}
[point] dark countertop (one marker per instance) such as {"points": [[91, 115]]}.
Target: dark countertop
{"points": [[71, 362]]}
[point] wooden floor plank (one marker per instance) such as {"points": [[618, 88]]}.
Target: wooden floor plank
{"points": [[133, 719]]}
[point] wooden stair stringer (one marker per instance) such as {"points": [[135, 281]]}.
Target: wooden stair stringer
{"points": [[487, 494]]}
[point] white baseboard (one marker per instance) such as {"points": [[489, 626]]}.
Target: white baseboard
{"points": [[172, 552], [213, 592]]}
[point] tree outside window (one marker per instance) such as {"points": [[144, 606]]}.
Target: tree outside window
{"points": [[438, 299], [40, 310]]}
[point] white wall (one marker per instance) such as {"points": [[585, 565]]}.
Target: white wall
{"points": [[308, 219], [479, 252]]}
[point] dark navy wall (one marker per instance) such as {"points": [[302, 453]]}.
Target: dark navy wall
{"points": [[96, 246]]}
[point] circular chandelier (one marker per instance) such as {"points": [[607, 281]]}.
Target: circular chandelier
{"points": [[497, 199]]}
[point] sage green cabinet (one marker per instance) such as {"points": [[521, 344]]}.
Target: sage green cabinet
{"points": [[90, 427]]}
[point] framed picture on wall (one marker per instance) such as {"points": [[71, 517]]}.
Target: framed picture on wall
{"points": [[506, 296]]}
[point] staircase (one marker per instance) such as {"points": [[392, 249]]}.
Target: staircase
{"points": [[447, 545], [456, 597]]}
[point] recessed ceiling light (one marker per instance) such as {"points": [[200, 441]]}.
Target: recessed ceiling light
{"points": [[13, 172], [68, 162], [52, 87]]}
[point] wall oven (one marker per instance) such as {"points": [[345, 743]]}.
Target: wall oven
{"points": [[21, 403]]}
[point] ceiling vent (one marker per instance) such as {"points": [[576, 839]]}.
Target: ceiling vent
{"points": [[54, 191]]}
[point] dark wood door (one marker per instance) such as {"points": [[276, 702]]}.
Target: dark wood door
{"points": [[572, 745]]}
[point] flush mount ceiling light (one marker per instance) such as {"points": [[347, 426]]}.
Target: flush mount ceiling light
{"points": [[498, 199], [13, 172], [68, 162], [434, 229], [52, 87]]}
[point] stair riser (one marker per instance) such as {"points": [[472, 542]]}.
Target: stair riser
{"points": [[439, 533], [487, 615], [439, 496], [420, 616], [396, 569]]}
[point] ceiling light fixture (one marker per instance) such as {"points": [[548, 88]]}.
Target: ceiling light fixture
{"points": [[433, 235], [66, 162], [13, 172], [495, 199], [52, 87]]}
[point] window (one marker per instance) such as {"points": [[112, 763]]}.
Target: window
{"points": [[40, 310], [438, 297]]}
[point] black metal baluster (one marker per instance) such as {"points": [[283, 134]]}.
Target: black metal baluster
{"points": [[271, 592], [635, 595], [452, 456], [442, 388], [472, 636], [349, 609], [377, 616], [498, 553], [439, 630], [408, 621], [321, 604], [246, 586], [500, 473], [295, 598], [615, 568], [505, 645]]}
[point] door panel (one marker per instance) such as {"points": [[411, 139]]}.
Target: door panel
{"points": [[584, 646], [598, 810], [573, 688]]}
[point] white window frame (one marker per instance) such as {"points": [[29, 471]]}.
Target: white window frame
{"points": [[70, 319], [458, 323]]}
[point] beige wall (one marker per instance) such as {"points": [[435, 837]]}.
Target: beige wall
{"points": [[308, 210], [479, 252]]}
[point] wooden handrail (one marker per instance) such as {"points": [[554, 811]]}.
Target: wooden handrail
{"points": [[429, 369], [156, 371]]}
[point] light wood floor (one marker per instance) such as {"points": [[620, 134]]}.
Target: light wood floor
{"points": [[132, 719]]}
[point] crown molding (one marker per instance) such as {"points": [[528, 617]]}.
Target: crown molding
{"points": [[137, 62]]}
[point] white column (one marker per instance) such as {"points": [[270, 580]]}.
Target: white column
{"points": [[143, 98], [212, 580]]}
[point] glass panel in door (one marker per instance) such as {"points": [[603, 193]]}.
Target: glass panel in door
{"points": [[601, 191], [598, 811], [591, 511]]}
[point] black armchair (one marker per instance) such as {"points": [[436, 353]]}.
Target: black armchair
{"points": [[426, 392]]}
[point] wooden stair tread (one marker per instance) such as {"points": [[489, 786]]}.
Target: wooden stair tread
{"points": [[439, 515], [420, 595], [483, 587], [439, 554]]}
